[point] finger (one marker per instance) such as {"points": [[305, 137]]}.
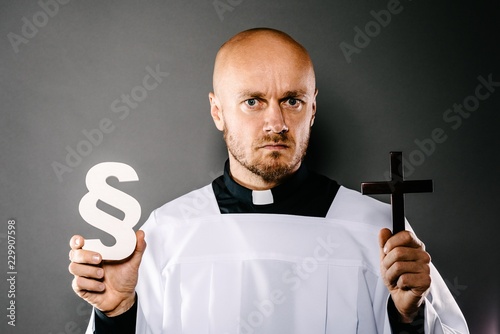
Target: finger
{"points": [[405, 239], [141, 242], [418, 283], [383, 236], [84, 256], [76, 242], [140, 247], [398, 269], [81, 284], [86, 270], [405, 254]]}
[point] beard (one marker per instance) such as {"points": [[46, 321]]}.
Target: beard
{"points": [[271, 169]]}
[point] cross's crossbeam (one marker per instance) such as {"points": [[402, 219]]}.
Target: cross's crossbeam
{"points": [[397, 187]]}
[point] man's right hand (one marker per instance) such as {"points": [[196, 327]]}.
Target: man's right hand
{"points": [[107, 285]]}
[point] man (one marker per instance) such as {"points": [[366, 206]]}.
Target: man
{"points": [[268, 247]]}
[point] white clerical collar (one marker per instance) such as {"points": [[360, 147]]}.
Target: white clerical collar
{"points": [[262, 197]]}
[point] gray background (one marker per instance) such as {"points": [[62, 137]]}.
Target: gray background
{"points": [[64, 79]]}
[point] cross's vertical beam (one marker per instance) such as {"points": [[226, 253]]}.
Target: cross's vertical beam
{"points": [[397, 195]]}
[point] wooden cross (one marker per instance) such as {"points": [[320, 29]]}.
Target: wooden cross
{"points": [[397, 187]]}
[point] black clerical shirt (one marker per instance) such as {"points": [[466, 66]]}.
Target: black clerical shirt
{"points": [[305, 193]]}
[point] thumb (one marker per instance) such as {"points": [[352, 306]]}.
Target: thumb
{"points": [[140, 247], [141, 243], [384, 235]]}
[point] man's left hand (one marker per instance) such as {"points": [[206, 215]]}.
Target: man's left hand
{"points": [[405, 269]]}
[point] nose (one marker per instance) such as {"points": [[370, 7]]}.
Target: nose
{"points": [[275, 122]]}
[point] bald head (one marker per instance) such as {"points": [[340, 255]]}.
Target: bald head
{"points": [[258, 48]]}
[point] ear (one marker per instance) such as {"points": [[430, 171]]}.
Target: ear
{"points": [[216, 111], [313, 117]]}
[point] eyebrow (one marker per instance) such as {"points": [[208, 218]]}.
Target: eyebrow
{"points": [[257, 94], [248, 93], [293, 93]]}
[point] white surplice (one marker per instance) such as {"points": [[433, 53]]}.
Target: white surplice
{"points": [[206, 272]]}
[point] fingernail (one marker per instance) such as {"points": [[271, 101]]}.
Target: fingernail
{"points": [[385, 249], [100, 272], [77, 242], [95, 258], [101, 287]]}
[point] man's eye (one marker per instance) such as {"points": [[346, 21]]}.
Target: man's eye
{"points": [[293, 102], [251, 102]]}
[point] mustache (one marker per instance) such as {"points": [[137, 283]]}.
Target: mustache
{"points": [[281, 138]]}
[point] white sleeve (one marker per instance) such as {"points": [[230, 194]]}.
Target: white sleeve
{"points": [[442, 314]]}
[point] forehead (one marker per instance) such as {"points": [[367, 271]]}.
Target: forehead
{"points": [[267, 74], [264, 63], [267, 84]]}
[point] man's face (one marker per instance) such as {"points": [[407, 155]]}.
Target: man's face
{"points": [[265, 104]]}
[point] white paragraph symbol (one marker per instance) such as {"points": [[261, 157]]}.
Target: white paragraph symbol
{"points": [[121, 230]]}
